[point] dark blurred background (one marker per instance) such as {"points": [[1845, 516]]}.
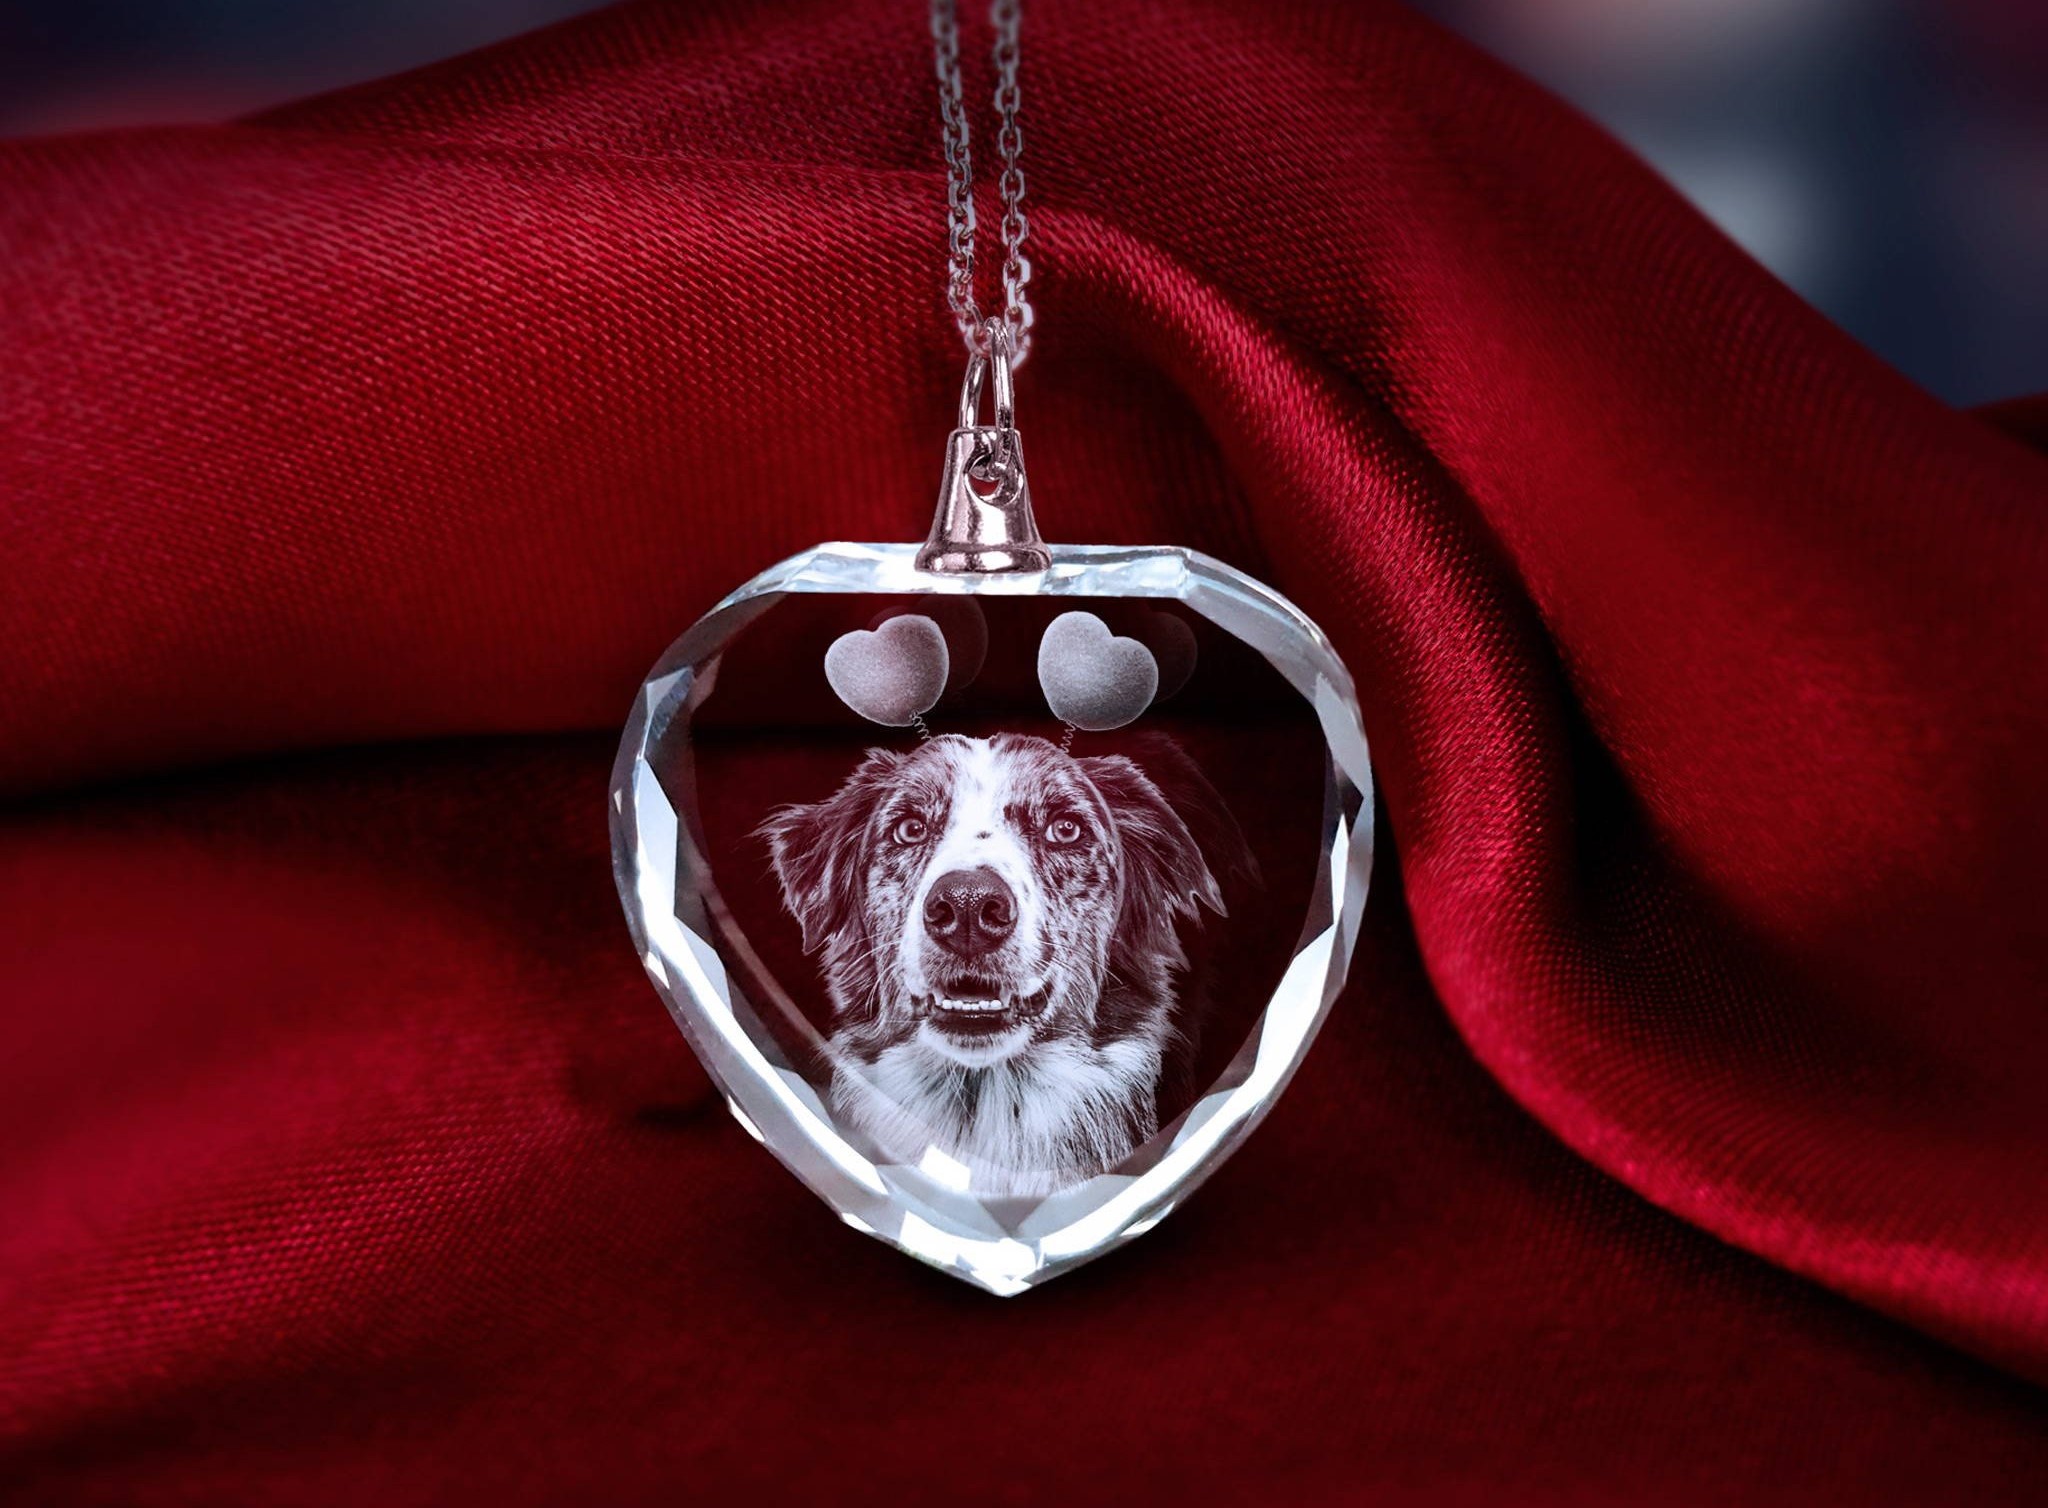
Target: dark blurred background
{"points": [[1887, 158]]}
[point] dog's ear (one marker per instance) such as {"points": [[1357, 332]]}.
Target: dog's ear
{"points": [[817, 849], [1165, 875], [1200, 805]]}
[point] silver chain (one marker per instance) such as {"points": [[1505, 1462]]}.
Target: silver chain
{"points": [[1004, 17]]}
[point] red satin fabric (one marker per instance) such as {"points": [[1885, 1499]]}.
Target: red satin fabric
{"points": [[1681, 1134]]}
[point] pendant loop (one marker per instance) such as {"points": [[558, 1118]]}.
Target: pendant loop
{"points": [[983, 522], [979, 365]]}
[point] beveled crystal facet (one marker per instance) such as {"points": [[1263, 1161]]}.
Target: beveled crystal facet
{"points": [[737, 977]]}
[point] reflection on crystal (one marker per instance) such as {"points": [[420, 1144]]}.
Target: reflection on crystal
{"points": [[1003, 997], [1139, 1227], [948, 1172]]}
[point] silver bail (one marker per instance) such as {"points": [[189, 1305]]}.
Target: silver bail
{"points": [[983, 522]]}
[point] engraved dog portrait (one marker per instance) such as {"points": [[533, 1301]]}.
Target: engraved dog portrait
{"points": [[1002, 930]]}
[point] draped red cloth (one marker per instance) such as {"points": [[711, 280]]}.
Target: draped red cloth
{"points": [[1681, 1135]]}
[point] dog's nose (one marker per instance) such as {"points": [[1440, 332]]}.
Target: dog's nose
{"points": [[970, 912]]}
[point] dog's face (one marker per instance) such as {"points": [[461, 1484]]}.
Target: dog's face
{"points": [[974, 895]]}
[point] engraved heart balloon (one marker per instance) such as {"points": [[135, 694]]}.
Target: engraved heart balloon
{"points": [[966, 629], [1090, 677], [890, 675]]}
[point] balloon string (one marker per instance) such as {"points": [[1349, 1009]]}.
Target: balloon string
{"points": [[923, 732], [1067, 738]]}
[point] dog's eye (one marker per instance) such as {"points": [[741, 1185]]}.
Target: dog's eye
{"points": [[1063, 830], [908, 830]]}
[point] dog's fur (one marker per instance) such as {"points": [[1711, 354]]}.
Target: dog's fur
{"points": [[1039, 1061]]}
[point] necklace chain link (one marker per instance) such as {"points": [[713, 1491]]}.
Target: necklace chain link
{"points": [[1005, 17]]}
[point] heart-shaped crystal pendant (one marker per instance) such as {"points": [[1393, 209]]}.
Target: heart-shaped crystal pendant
{"points": [[1000, 888]]}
